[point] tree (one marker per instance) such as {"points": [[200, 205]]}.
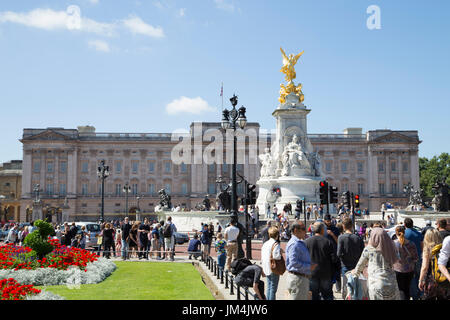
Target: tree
{"points": [[431, 170]]}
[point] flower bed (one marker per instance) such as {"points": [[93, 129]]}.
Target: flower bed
{"points": [[12, 290], [61, 258], [70, 266]]}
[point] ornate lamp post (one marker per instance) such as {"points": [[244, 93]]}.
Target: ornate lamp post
{"points": [[231, 120], [103, 173], [127, 190]]}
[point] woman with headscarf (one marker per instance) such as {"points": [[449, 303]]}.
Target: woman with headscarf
{"points": [[379, 255]]}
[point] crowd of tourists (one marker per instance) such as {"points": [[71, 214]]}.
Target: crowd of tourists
{"points": [[331, 253]]}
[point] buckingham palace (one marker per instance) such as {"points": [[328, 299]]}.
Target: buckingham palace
{"points": [[375, 164]]}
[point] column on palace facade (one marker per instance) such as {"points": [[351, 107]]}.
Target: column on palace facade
{"points": [[414, 166], [56, 172], [372, 168], [72, 163], [27, 189], [387, 169], [42, 157], [400, 172]]}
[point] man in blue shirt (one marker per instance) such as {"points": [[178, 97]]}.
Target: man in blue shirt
{"points": [[298, 264], [417, 238], [194, 247]]}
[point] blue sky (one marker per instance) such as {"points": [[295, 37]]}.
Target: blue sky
{"points": [[130, 60]]}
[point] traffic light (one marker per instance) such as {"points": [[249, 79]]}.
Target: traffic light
{"points": [[346, 199], [251, 194], [356, 200], [323, 192], [333, 194], [299, 207], [276, 191]]}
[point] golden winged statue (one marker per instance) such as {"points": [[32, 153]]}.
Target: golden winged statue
{"points": [[289, 71], [288, 65]]}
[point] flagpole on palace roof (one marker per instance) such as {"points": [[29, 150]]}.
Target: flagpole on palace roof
{"points": [[221, 94]]}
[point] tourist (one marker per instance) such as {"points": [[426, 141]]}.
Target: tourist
{"points": [[205, 239], [427, 284], [441, 225], [73, 233], [265, 231], [349, 249], [315, 211], [118, 241], [82, 237], [169, 238], [443, 264], [108, 240], [271, 249], [383, 211], [379, 255], [308, 212], [220, 247], [66, 235], [416, 237], [332, 234], [275, 212], [427, 227], [211, 236], [323, 253], [298, 264], [268, 211], [143, 231], [405, 266], [231, 236], [162, 245], [154, 242], [133, 240], [57, 233], [194, 247], [125, 228], [251, 277], [12, 235]]}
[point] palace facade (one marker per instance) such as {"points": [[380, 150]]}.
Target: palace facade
{"points": [[63, 162]]}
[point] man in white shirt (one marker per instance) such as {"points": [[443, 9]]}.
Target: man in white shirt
{"points": [[444, 256], [231, 236]]}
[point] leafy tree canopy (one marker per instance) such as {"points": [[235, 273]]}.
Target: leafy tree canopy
{"points": [[431, 170]]}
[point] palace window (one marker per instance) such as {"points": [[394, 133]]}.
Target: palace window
{"points": [[393, 167], [134, 189], [118, 167], [50, 166], [168, 167], [151, 167], [135, 167], [151, 189], [360, 188], [328, 166], [360, 166], [183, 167], [84, 189], [380, 167], [405, 166], [118, 189], [168, 188], [85, 167], [184, 188], [63, 167], [62, 189], [381, 188], [37, 167], [344, 166]]}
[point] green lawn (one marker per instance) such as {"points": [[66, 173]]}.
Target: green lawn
{"points": [[142, 281]]}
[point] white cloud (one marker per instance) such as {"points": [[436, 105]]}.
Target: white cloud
{"points": [[99, 45], [49, 19], [94, 1], [225, 5], [188, 105], [182, 12], [135, 25]]}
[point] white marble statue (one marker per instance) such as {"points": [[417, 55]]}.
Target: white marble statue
{"points": [[294, 160], [316, 164], [266, 163]]}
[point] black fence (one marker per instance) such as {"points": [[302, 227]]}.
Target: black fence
{"points": [[227, 279]]}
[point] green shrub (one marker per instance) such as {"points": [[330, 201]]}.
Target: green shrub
{"points": [[37, 240]]}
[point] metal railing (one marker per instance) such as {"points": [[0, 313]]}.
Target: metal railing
{"points": [[227, 279]]}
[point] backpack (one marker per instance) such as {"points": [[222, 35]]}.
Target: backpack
{"points": [[239, 264], [436, 273], [167, 232]]}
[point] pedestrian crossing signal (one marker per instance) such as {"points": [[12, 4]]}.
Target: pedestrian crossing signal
{"points": [[323, 192]]}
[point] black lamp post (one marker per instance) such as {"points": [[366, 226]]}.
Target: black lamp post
{"points": [[103, 173], [231, 120], [127, 190]]}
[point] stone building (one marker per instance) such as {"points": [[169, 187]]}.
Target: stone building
{"points": [[64, 162], [10, 190]]}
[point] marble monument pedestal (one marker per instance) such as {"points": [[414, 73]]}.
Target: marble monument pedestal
{"points": [[292, 189]]}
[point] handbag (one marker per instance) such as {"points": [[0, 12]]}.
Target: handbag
{"points": [[277, 266]]}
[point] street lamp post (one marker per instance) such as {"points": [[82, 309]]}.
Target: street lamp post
{"points": [[138, 210], [127, 190], [231, 120], [103, 173]]}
